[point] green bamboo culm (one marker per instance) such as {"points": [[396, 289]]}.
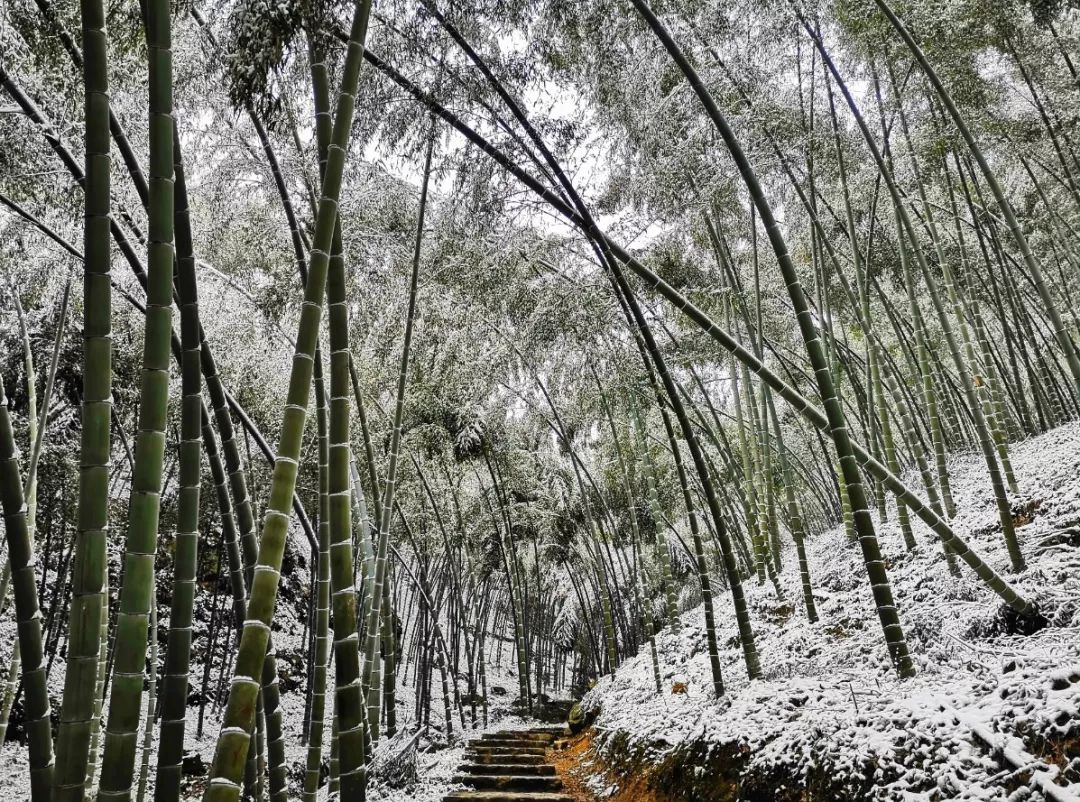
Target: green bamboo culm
{"points": [[29, 495], [379, 596], [89, 602], [321, 599], [652, 356], [875, 565], [388, 639], [513, 588], [770, 485], [610, 650], [178, 647], [93, 758], [27, 611], [641, 608], [845, 505], [748, 474], [906, 226], [348, 695], [795, 517], [663, 554], [1061, 332], [151, 705], [129, 654], [11, 682], [36, 430], [337, 565], [233, 742], [647, 619], [763, 548], [702, 566]]}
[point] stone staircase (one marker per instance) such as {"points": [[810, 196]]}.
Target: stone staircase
{"points": [[511, 766]]}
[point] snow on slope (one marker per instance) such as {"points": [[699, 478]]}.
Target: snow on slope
{"points": [[829, 698]]}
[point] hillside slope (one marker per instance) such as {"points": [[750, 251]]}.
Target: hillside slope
{"points": [[830, 719]]}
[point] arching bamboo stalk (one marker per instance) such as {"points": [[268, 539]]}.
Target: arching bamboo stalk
{"points": [[231, 752]]}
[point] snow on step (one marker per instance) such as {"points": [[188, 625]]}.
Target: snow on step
{"points": [[508, 750], [510, 740], [503, 759], [510, 782], [540, 769], [519, 736], [518, 740], [525, 746]]}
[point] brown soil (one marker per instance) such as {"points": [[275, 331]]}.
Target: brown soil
{"points": [[567, 755]]}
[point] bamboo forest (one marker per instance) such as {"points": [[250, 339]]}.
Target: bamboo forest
{"points": [[540, 400]]}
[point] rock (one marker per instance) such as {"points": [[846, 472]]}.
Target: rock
{"points": [[192, 765], [16, 730], [1022, 623], [298, 770], [289, 680], [579, 718], [553, 711]]}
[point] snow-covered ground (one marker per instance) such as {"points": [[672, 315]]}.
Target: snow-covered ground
{"points": [[830, 704]]}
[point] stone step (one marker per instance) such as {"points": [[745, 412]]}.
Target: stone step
{"points": [[509, 782], [514, 743], [503, 759], [508, 796], [540, 769], [553, 730], [496, 749], [519, 735]]}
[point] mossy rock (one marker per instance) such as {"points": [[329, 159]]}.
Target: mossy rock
{"points": [[578, 718]]}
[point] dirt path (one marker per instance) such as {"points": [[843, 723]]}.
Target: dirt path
{"points": [[578, 767], [567, 755]]}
